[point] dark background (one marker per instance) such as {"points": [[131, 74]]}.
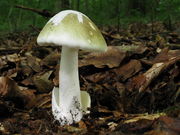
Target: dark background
{"points": [[103, 12]]}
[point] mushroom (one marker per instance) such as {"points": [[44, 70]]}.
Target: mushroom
{"points": [[73, 31]]}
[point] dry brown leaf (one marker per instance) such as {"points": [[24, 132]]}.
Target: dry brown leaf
{"points": [[111, 58], [165, 126], [100, 77], [128, 70], [166, 55], [43, 101], [170, 123], [52, 59], [28, 81], [42, 82], [34, 63], [139, 126], [23, 67], [9, 89], [151, 74], [142, 81]]}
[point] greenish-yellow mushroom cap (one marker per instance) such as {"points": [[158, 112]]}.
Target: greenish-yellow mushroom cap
{"points": [[72, 29]]}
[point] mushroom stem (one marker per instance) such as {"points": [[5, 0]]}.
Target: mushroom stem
{"points": [[70, 100]]}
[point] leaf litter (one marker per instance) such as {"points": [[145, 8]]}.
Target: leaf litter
{"points": [[134, 86]]}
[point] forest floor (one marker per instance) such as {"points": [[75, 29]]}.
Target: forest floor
{"points": [[134, 86]]}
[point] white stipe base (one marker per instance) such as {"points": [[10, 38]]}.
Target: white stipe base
{"points": [[69, 119]]}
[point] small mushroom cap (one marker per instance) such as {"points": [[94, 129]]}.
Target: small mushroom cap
{"points": [[73, 29]]}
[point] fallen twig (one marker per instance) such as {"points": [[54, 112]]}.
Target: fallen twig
{"points": [[43, 12]]}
